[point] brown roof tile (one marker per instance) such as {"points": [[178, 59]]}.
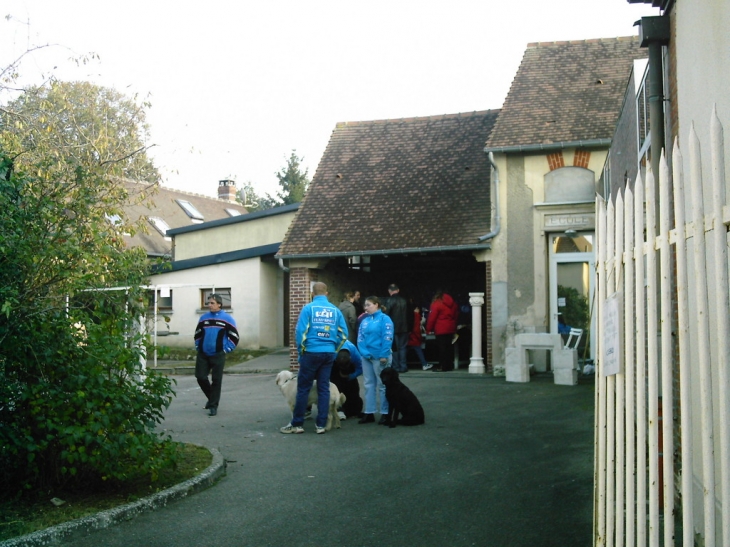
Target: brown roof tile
{"points": [[397, 184], [566, 92], [162, 202]]}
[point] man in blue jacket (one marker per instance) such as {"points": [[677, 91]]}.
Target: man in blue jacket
{"points": [[320, 333], [215, 335]]}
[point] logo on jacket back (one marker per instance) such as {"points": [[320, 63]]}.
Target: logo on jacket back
{"points": [[323, 316]]}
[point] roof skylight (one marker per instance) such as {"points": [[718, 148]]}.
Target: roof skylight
{"points": [[190, 209], [160, 225]]}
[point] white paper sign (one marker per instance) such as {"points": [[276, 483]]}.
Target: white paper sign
{"points": [[612, 340], [164, 292]]}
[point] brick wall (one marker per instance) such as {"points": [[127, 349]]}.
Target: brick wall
{"points": [[581, 158], [300, 280], [556, 161], [488, 318]]}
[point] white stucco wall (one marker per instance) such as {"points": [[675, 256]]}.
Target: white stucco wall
{"points": [[249, 294], [703, 70], [520, 295], [232, 237]]}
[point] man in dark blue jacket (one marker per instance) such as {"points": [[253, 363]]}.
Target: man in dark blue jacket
{"points": [[215, 335]]}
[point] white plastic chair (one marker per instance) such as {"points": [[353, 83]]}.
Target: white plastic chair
{"points": [[574, 333]]}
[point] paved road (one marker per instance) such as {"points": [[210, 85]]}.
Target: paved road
{"points": [[496, 464]]}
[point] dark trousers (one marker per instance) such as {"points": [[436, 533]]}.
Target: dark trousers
{"points": [[446, 351], [400, 347], [213, 365]]}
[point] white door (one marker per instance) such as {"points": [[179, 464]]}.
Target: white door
{"points": [[571, 285]]}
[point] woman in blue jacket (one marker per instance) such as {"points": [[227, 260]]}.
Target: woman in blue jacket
{"points": [[375, 342]]}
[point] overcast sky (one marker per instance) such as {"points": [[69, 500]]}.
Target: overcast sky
{"points": [[237, 85]]}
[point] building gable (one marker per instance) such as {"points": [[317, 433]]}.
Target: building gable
{"points": [[418, 183]]}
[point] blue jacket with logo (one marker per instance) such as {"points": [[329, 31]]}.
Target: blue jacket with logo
{"points": [[321, 327], [355, 358], [216, 332], [375, 337]]}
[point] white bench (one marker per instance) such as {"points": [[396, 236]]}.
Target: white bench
{"points": [[564, 361]]}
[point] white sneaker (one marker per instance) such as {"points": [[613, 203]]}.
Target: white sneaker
{"points": [[320, 430], [288, 428], [341, 415], [428, 367]]}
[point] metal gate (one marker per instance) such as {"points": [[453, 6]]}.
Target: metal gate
{"points": [[662, 461]]}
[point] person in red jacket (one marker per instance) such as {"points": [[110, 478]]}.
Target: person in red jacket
{"points": [[442, 319], [415, 339]]}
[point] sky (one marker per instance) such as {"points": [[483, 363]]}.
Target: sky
{"points": [[237, 85]]}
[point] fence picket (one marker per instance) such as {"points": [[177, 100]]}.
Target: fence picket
{"points": [[719, 239], [629, 368], [667, 393], [638, 460]]}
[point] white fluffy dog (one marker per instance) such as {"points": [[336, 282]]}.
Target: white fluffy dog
{"points": [[287, 382]]}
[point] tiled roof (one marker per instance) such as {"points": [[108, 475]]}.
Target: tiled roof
{"points": [[417, 183], [565, 92], [162, 203]]}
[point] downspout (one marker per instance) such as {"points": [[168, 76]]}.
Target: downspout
{"points": [[654, 34], [281, 265], [495, 185]]}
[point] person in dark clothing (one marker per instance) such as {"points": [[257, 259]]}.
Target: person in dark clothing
{"points": [[359, 310], [442, 321], [348, 311], [215, 335], [397, 309], [346, 369]]}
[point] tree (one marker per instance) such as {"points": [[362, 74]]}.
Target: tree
{"points": [[253, 202], [293, 182], [293, 185], [75, 405], [92, 125]]}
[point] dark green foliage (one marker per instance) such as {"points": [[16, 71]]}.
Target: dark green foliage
{"points": [[292, 181], [575, 313], [75, 406]]}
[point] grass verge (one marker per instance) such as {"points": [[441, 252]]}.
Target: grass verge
{"points": [[18, 518]]}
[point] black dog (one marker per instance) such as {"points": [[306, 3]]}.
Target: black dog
{"points": [[341, 370], [401, 401]]}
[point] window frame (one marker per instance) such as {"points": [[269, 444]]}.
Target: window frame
{"points": [[225, 292]]}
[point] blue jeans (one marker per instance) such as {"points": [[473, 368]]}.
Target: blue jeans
{"points": [[313, 366], [371, 369], [400, 347], [420, 355]]}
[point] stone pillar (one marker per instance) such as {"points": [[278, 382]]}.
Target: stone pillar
{"points": [[476, 363]]}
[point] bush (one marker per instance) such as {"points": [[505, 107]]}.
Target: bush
{"points": [[75, 406]]}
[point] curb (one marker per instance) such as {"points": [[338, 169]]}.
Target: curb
{"points": [[110, 517]]}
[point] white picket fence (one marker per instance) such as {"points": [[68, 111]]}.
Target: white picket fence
{"points": [[663, 421]]}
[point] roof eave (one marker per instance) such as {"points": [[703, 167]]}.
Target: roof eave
{"points": [[547, 147], [403, 250]]}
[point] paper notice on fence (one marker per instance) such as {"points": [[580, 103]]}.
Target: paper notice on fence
{"points": [[611, 338]]}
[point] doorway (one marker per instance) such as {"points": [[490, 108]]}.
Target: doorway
{"points": [[571, 286]]}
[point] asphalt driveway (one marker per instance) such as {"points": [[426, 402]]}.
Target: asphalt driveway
{"points": [[497, 464]]}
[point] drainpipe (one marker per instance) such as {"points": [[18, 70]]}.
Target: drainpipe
{"points": [[281, 265], [495, 184], [654, 34]]}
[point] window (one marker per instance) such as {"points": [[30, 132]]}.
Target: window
{"points": [[224, 292], [191, 211], [233, 213], [164, 303], [160, 225]]}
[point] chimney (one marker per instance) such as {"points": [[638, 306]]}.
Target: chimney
{"points": [[227, 190]]}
